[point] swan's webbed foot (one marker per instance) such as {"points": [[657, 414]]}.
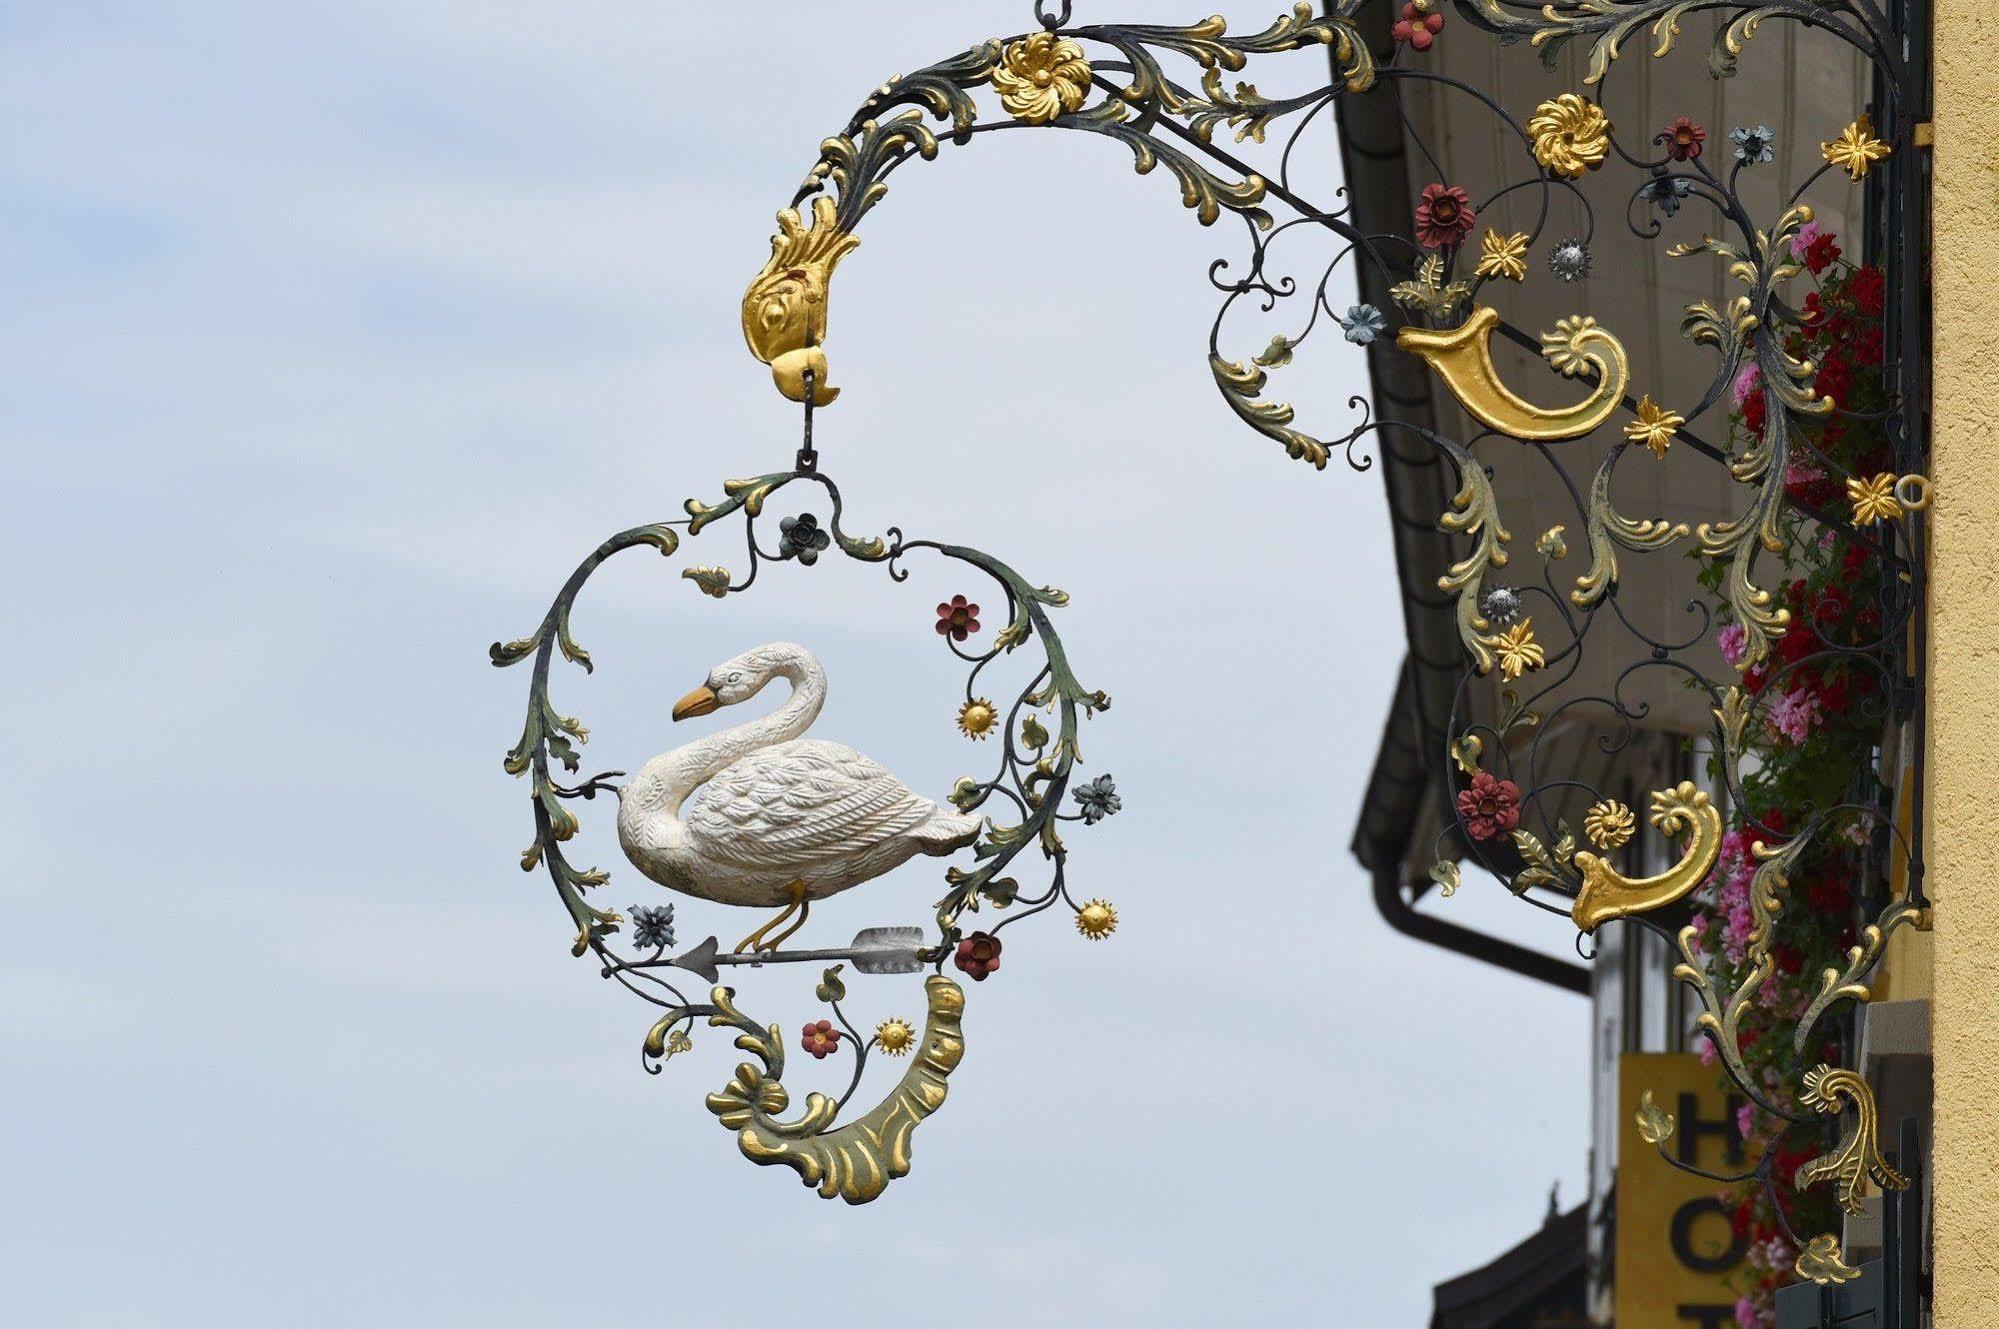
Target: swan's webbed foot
{"points": [[589, 788], [761, 940]]}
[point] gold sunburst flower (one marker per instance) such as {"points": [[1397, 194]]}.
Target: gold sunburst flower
{"points": [[1096, 920], [1040, 77], [894, 1036], [1855, 149], [1873, 500], [1503, 255], [1571, 135], [1567, 347], [1517, 650], [976, 718], [1609, 824], [1654, 426]]}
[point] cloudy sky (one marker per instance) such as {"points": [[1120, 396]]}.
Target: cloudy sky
{"points": [[336, 334]]}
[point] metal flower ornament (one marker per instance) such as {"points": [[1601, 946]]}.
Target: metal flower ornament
{"points": [[763, 814]]}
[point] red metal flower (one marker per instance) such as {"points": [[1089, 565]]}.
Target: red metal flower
{"points": [[1444, 216], [1683, 139], [1417, 28], [821, 1039], [978, 955], [957, 620], [1490, 807]]}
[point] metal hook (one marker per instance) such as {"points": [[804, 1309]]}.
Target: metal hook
{"points": [[808, 458]]}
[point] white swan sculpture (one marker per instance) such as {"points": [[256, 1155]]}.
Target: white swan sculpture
{"points": [[780, 820]]}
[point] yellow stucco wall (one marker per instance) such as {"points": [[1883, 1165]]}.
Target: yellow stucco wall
{"points": [[1964, 666]]}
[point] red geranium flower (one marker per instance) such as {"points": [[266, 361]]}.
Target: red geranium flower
{"points": [[1821, 252], [1835, 380], [1489, 806], [957, 619], [978, 955], [1867, 345], [1869, 290], [1683, 139], [1755, 413], [1814, 312], [1444, 216], [1829, 894], [821, 1039], [1418, 29]]}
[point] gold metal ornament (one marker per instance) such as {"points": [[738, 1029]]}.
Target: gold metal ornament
{"points": [[1873, 499], [1517, 650], [1858, 1157], [858, 1160], [1654, 426], [1502, 255], [1462, 357], [1607, 893], [1096, 920], [894, 1036], [1041, 77], [784, 310], [1820, 1261], [1571, 135], [1609, 824], [1856, 149], [976, 718], [1655, 1124]]}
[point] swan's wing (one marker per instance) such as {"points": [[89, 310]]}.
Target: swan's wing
{"points": [[800, 803]]}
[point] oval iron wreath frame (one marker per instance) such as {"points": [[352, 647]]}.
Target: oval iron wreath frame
{"points": [[854, 1160]]}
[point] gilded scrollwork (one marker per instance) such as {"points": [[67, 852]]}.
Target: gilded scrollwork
{"points": [[1607, 893], [1462, 358], [1857, 1158], [854, 1161]]}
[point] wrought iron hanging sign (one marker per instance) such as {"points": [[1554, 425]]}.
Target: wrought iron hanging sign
{"points": [[761, 816]]}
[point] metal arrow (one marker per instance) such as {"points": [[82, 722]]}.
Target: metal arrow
{"points": [[896, 950]]}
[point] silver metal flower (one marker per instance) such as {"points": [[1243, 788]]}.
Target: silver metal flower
{"points": [[1753, 146], [1500, 605], [652, 928], [1570, 259]]}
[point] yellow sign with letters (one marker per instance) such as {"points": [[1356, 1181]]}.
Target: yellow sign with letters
{"points": [[1676, 1245]]}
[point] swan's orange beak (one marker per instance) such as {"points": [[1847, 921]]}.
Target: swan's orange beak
{"points": [[701, 701]]}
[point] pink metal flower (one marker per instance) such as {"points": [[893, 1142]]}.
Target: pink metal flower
{"points": [[821, 1039], [957, 618], [1490, 807], [1416, 28]]}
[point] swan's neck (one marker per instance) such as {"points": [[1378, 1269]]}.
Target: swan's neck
{"points": [[665, 782]]}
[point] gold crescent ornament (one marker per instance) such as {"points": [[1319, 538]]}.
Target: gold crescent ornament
{"points": [[1608, 893], [858, 1160], [1462, 357]]}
